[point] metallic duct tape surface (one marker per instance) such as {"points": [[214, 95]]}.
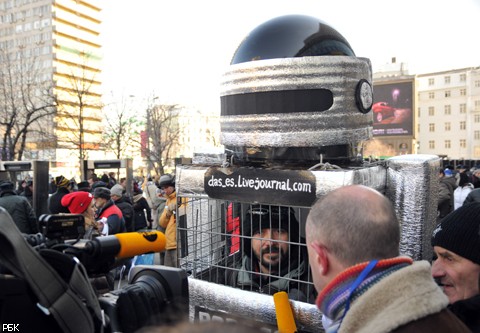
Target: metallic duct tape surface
{"points": [[412, 186], [343, 123], [246, 304], [409, 181]]}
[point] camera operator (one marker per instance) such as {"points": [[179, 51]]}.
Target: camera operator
{"points": [[108, 216]]}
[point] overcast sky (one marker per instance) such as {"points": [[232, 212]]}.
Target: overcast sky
{"points": [[177, 50]]}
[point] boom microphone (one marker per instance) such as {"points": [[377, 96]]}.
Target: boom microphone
{"points": [[285, 320], [126, 245]]}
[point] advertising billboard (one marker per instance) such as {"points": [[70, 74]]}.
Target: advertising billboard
{"points": [[393, 109]]}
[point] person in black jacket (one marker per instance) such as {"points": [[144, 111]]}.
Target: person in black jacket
{"points": [[64, 186], [28, 191], [18, 207], [143, 213], [473, 196], [272, 257], [126, 207], [456, 268]]}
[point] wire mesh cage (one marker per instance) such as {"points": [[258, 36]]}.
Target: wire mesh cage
{"points": [[254, 247]]}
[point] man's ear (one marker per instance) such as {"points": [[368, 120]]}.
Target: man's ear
{"points": [[321, 257]]}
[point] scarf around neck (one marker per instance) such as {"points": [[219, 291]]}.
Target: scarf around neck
{"points": [[332, 299]]}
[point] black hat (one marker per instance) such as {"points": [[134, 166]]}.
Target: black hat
{"points": [[166, 180], [83, 185], [6, 185], [459, 232], [101, 192], [260, 217], [98, 183]]}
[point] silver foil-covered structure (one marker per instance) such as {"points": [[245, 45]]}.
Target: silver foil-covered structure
{"points": [[294, 120], [341, 123]]}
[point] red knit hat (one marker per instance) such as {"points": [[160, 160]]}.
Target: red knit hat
{"points": [[77, 202]]}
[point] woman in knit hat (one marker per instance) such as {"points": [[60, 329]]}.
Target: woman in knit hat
{"points": [[456, 243], [82, 203]]}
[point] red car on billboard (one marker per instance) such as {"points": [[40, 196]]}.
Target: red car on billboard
{"points": [[382, 110]]}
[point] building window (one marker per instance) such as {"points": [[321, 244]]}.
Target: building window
{"points": [[463, 108], [463, 125], [476, 118], [431, 111], [476, 135], [476, 151], [431, 82], [463, 77], [448, 109], [447, 79], [448, 144], [477, 105], [447, 126], [431, 95], [447, 93], [431, 127], [463, 92], [418, 111], [431, 144], [463, 143], [418, 128], [477, 83]]}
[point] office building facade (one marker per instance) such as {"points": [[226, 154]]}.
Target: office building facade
{"points": [[60, 40]]}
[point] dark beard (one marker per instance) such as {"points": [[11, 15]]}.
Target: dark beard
{"points": [[276, 266]]}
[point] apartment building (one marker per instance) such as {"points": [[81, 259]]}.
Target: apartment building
{"points": [[448, 113], [445, 113], [61, 39]]}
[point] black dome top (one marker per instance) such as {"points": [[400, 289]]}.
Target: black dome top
{"points": [[291, 36]]}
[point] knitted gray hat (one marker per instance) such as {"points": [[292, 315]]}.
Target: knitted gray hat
{"points": [[117, 190], [459, 232]]}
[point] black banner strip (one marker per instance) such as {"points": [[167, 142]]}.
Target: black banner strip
{"points": [[285, 101]]}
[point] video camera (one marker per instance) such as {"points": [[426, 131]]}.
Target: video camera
{"points": [[30, 265]]}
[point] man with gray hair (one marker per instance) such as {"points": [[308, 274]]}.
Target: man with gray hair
{"points": [[456, 265], [364, 284]]}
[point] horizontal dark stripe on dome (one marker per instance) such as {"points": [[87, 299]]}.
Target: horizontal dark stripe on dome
{"points": [[285, 101]]}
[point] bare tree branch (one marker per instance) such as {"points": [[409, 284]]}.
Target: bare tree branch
{"points": [[163, 133], [25, 100], [122, 130]]}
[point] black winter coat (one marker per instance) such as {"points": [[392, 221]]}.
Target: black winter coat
{"points": [[237, 271], [473, 196], [20, 210], [468, 311], [127, 211], [55, 201], [140, 206]]}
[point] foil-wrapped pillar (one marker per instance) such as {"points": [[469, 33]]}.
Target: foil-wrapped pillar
{"points": [[412, 186], [210, 302]]}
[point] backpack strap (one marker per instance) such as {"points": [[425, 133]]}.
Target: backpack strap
{"points": [[55, 296]]}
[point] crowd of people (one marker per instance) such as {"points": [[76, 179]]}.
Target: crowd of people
{"points": [[351, 252], [457, 186], [104, 203]]}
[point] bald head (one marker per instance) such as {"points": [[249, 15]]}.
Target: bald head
{"points": [[356, 224]]}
